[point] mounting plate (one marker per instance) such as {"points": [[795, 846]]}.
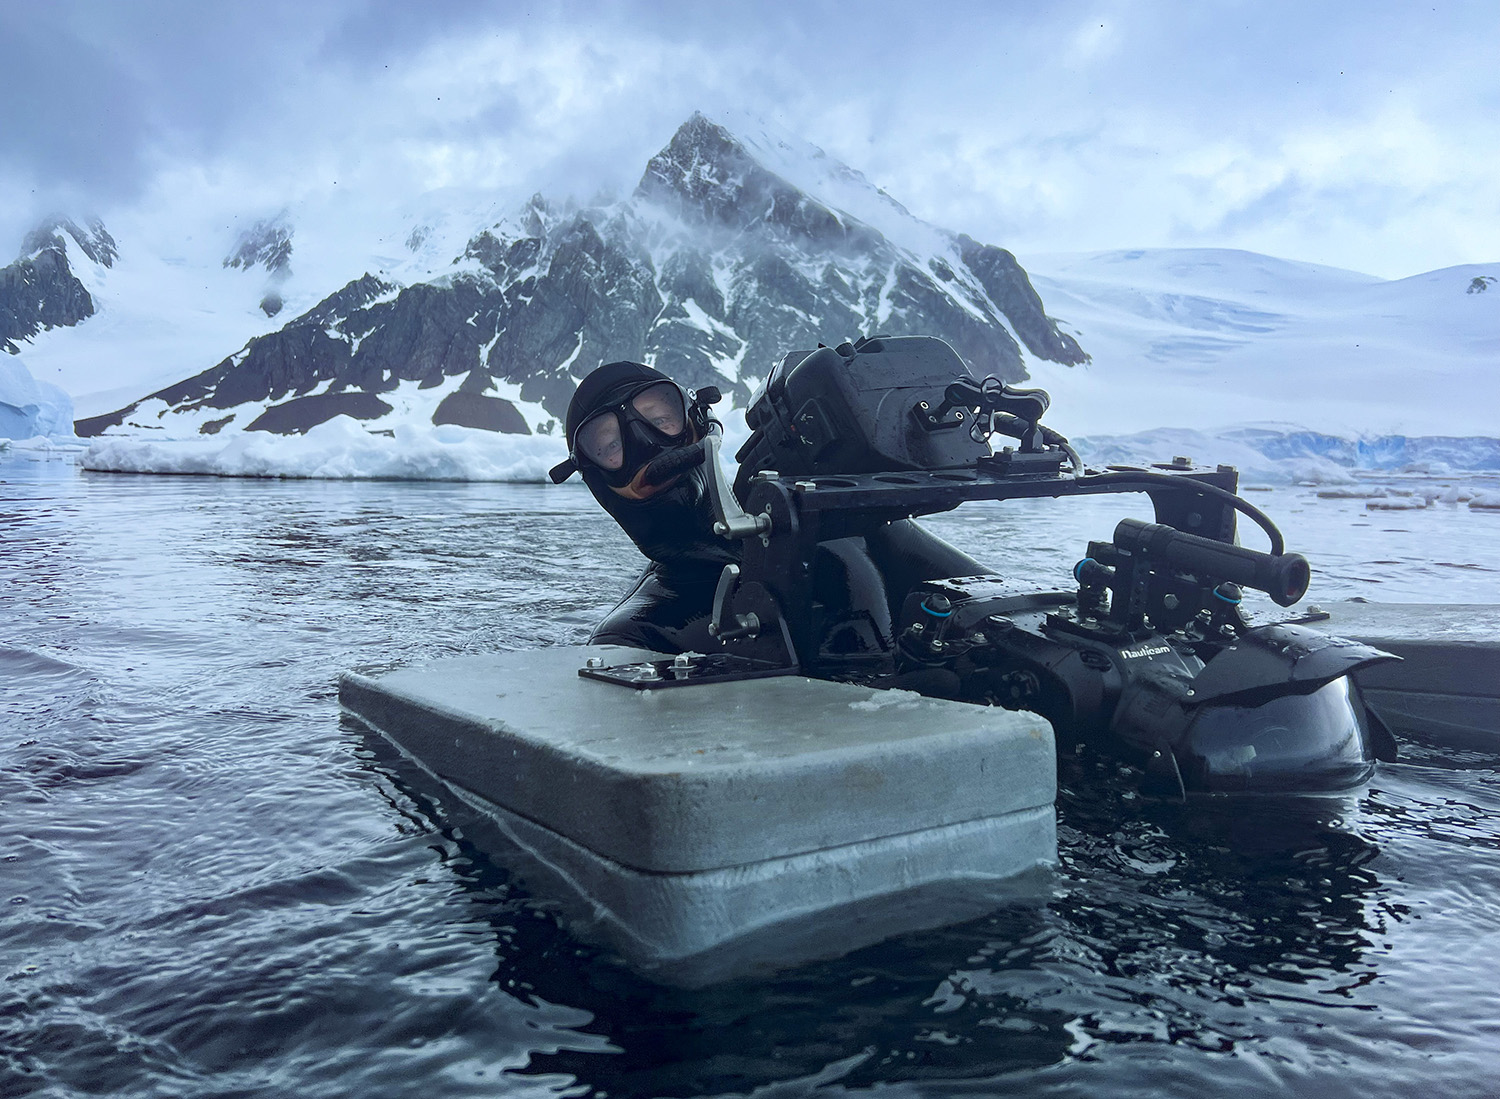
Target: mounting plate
{"points": [[686, 670]]}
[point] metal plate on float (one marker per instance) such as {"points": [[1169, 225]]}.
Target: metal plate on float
{"points": [[682, 670]]}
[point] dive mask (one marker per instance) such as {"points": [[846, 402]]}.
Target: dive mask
{"points": [[634, 426]]}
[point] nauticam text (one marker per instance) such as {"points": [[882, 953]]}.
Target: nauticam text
{"points": [[1147, 650]]}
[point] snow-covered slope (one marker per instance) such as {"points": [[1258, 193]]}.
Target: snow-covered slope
{"points": [[1207, 338], [178, 298], [157, 317]]}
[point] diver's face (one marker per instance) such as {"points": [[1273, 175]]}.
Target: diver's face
{"points": [[661, 407]]}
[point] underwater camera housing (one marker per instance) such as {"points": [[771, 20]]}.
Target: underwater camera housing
{"points": [[1151, 657]]}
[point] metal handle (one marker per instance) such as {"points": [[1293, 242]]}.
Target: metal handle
{"points": [[747, 625], [733, 522]]}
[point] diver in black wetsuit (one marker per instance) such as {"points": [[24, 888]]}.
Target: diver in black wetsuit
{"points": [[626, 425]]}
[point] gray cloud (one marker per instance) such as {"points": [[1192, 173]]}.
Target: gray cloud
{"points": [[1062, 126], [75, 119]]}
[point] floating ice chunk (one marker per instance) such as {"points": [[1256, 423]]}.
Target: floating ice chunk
{"points": [[1351, 492], [341, 449], [59, 444], [1432, 467], [1457, 494], [1316, 471], [1397, 503], [1489, 501]]}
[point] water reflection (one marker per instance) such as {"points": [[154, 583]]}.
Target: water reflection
{"points": [[1215, 925], [876, 1014], [1214, 916]]}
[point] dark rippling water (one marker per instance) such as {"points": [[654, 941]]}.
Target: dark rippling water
{"points": [[210, 885]]}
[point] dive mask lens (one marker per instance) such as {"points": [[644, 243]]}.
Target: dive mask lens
{"points": [[599, 440], [660, 406]]}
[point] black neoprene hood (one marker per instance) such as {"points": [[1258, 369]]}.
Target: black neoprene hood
{"points": [[674, 527]]}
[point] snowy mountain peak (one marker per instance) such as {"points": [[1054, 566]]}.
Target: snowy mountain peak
{"points": [[42, 288], [732, 251], [267, 243], [708, 177], [92, 239]]}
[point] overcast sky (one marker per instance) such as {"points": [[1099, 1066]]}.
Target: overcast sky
{"points": [[1365, 135]]}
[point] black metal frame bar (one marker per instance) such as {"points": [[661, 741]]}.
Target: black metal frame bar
{"points": [[794, 514]]}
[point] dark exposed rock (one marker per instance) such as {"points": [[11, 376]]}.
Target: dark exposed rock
{"points": [[686, 352], [90, 426], [688, 275], [426, 334], [344, 302], [301, 414], [271, 304], [597, 300], [39, 290], [504, 258], [484, 413], [1010, 289], [488, 250]]}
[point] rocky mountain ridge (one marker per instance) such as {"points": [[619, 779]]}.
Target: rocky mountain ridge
{"points": [[40, 289], [711, 270]]}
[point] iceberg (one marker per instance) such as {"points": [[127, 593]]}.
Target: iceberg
{"points": [[29, 408]]}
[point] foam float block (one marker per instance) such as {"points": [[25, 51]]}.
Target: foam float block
{"points": [[687, 818]]}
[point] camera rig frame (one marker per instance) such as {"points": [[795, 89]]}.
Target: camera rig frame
{"points": [[1151, 655], [785, 518]]}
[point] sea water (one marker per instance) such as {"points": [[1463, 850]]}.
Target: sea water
{"points": [[212, 885]]}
